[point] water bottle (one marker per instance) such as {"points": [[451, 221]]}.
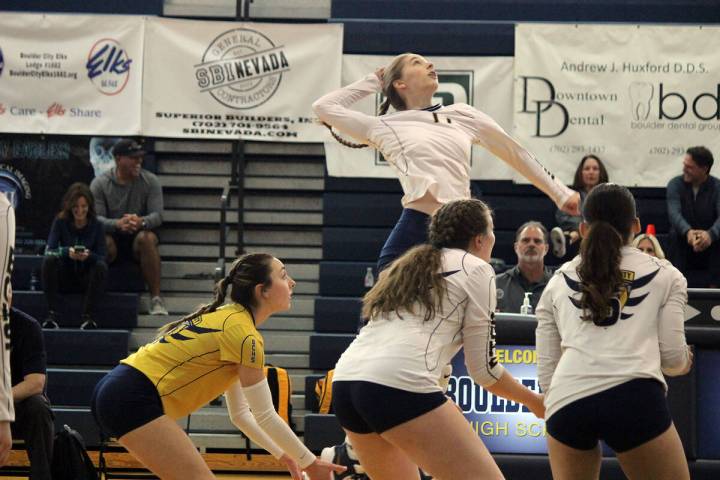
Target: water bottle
{"points": [[526, 308], [369, 278]]}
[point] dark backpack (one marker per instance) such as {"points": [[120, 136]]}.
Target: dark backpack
{"points": [[70, 459]]}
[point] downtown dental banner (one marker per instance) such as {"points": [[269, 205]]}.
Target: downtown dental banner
{"points": [[251, 81], [635, 96], [483, 82], [70, 74]]}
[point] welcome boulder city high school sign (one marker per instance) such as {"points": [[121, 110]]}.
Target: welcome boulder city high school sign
{"points": [[228, 80]]}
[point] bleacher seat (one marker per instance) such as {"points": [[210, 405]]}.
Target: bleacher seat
{"points": [[325, 349], [353, 243], [337, 314], [322, 431], [115, 310], [86, 347], [345, 278], [72, 387], [354, 209], [80, 419]]}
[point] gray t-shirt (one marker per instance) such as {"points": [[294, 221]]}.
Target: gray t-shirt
{"points": [[142, 197]]}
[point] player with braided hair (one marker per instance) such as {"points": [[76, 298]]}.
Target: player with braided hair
{"points": [[433, 300], [427, 145], [213, 350]]}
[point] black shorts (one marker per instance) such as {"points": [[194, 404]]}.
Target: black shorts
{"points": [[124, 243], [411, 229], [625, 417], [367, 407], [124, 400]]}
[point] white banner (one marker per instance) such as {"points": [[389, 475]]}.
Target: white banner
{"points": [[70, 74], [636, 96], [483, 82], [254, 81]]}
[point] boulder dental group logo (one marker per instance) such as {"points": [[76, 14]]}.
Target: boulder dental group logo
{"points": [[241, 68], [108, 66]]}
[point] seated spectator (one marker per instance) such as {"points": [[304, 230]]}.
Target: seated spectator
{"points": [[130, 206], [75, 256], [530, 274], [649, 244], [693, 201], [33, 415], [590, 172]]}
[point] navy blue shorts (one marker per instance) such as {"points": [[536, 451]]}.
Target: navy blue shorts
{"points": [[625, 417], [367, 407], [124, 400], [411, 229]]}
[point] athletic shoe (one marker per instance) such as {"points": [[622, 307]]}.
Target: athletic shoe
{"points": [[557, 239], [157, 306], [344, 455]]}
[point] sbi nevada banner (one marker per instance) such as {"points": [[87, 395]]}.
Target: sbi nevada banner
{"points": [[635, 96], [484, 82], [70, 74], [254, 81], [504, 426]]}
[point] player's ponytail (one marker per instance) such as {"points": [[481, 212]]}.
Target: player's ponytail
{"points": [[609, 211], [245, 273], [392, 73], [415, 278]]}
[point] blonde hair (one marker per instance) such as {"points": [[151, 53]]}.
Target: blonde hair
{"points": [[392, 73], [415, 278], [659, 253]]}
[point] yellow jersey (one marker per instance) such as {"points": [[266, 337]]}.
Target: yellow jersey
{"points": [[196, 361]]}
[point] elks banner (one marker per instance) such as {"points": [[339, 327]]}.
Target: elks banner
{"points": [[483, 82], [254, 81], [71, 74], [635, 96]]}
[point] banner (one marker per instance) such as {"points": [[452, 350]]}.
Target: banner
{"points": [[483, 82], [226, 80], [635, 96], [70, 74], [503, 425]]}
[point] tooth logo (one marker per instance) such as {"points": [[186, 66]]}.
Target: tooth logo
{"points": [[641, 93]]}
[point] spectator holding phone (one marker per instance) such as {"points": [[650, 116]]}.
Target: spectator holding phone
{"points": [[75, 255]]}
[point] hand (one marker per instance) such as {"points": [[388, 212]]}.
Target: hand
{"points": [[690, 236], [537, 406], [690, 362], [123, 224], [380, 73], [135, 222], [572, 205], [321, 470], [702, 240], [574, 236], [5, 442], [292, 467]]}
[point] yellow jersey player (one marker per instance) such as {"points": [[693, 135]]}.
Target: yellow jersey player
{"points": [[213, 350]]}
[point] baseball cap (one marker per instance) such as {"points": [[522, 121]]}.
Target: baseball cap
{"points": [[128, 148]]}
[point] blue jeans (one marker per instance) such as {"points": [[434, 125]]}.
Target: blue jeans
{"points": [[411, 229]]}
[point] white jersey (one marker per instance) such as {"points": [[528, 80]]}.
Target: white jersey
{"points": [[403, 351], [7, 247], [643, 337], [430, 149]]}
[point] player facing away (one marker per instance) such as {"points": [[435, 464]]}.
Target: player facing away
{"points": [[193, 360], [610, 323], [428, 145]]}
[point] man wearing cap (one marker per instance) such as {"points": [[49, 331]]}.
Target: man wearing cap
{"points": [[129, 203]]}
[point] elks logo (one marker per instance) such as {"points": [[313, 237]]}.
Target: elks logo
{"points": [[179, 333], [108, 66], [241, 68], [55, 110], [622, 300]]}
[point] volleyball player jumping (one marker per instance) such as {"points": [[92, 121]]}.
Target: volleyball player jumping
{"points": [[427, 145], [194, 360], [610, 323]]}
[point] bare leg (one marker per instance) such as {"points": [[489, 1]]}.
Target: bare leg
{"points": [[380, 459], [442, 443], [662, 458], [145, 248], [175, 457], [569, 463]]}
